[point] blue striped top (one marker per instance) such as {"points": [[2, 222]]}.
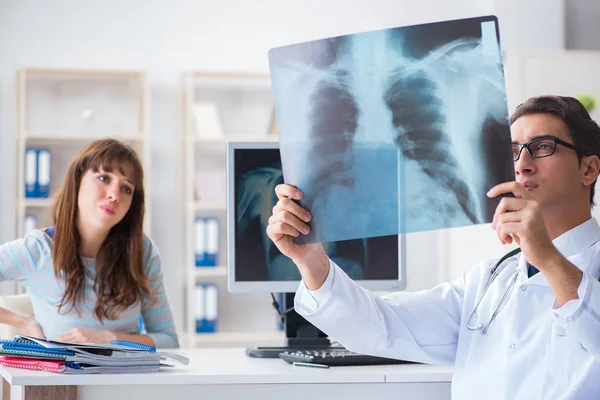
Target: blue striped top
{"points": [[29, 261]]}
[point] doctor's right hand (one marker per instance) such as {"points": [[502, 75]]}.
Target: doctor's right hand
{"points": [[288, 221]]}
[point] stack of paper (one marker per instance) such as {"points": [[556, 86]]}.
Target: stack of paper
{"points": [[72, 358]]}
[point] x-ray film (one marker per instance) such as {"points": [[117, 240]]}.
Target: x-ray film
{"points": [[394, 131]]}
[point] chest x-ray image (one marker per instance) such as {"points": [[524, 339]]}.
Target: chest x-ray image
{"points": [[394, 131]]}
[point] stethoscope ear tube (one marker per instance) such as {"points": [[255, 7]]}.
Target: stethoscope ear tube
{"points": [[505, 257]]}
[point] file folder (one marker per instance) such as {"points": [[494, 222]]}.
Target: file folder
{"points": [[212, 241], [200, 241], [212, 307], [43, 172], [30, 173], [199, 307], [206, 241], [207, 307]]}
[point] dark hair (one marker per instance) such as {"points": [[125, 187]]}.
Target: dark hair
{"points": [[582, 128], [120, 278]]}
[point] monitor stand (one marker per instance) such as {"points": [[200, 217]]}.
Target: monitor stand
{"points": [[300, 335]]}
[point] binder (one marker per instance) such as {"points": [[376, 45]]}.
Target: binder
{"points": [[43, 172], [206, 241], [212, 241], [29, 223], [212, 307], [30, 173], [200, 241], [199, 315], [207, 307]]}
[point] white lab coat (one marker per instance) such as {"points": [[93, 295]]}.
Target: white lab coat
{"points": [[531, 351]]}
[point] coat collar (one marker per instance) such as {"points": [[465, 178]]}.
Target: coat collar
{"points": [[569, 244]]}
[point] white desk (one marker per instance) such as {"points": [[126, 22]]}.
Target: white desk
{"points": [[230, 374]]}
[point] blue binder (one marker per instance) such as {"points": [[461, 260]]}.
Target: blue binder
{"points": [[206, 241], [30, 168], [212, 242], [44, 162], [207, 307], [200, 241], [38, 162]]}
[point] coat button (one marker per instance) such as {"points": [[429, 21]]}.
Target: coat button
{"points": [[512, 346], [523, 287]]}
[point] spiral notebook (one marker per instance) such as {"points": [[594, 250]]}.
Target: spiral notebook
{"points": [[116, 357], [39, 365]]}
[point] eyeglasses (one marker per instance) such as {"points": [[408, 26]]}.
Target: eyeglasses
{"points": [[541, 147]]}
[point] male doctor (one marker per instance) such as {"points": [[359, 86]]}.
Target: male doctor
{"points": [[544, 341]]}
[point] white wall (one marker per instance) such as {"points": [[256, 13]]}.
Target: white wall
{"points": [[531, 24], [581, 25], [167, 38]]}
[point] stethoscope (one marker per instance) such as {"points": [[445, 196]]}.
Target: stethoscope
{"points": [[495, 271]]}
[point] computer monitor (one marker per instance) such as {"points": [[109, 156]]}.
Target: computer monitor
{"points": [[254, 264]]}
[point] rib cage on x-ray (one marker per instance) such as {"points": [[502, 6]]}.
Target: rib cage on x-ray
{"points": [[418, 118], [444, 111]]}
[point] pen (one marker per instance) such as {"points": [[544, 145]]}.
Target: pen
{"points": [[303, 364]]}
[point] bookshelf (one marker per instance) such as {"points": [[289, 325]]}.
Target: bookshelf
{"points": [[64, 109], [217, 108]]}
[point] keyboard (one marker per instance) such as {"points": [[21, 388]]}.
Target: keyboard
{"points": [[337, 357]]}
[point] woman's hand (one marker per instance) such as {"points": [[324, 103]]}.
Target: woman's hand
{"points": [[30, 327], [78, 335]]}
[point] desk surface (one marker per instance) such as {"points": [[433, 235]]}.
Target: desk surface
{"points": [[232, 366]]}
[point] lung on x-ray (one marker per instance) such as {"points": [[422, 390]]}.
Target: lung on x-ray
{"points": [[394, 131]]}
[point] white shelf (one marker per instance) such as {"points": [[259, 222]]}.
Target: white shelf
{"points": [[237, 339], [209, 272], [207, 206], [65, 137], [48, 113], [40, 203], [236, 138], [245, 109]]}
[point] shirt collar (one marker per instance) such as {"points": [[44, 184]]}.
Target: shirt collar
{"points": [[570, 243], [578, 239]]}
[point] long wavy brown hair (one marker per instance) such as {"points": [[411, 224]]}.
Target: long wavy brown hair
{"points": [[120, 278]]}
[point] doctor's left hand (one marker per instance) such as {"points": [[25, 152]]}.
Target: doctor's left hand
{"points": [[520, 219], [78, 335]]}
